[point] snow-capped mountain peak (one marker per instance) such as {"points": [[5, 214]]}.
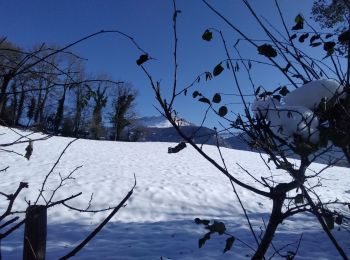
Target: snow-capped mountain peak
{"points": [[159, 122]]}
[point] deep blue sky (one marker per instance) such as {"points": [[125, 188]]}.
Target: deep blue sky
{"points": [[31, 22]]}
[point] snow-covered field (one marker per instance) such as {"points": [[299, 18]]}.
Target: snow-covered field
{"points": [[172, 190]]}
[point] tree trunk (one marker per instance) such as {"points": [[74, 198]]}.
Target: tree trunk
{"points": [[274, 221], [78, 111], [42, 105], [14, 105], [60, 111], [346, 151], [77, 119], [3, 105], [36, 114], [96, 122], [20, 105], [3, 95], [35, 233]]}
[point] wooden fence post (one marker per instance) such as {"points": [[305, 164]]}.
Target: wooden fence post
{"points": [[34, 247]]}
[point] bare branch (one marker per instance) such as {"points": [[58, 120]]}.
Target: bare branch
{"points": [[99, 227]]}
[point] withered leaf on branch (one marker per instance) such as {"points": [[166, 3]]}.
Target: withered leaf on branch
{"points": [[217, 227], [329, 47], [292, 37], [229, 243], [208, 76], [315, 44], [196, 94], [303, 37], [237, 67], [201, 221], [314, 38], [29, 150], [177, 148], [267, 50], [218, 69], [204, 100], [202, 241], [142, 59], [284, 91], [216, 98], [298, 26], [223, 111], [299, 19], [299, 23], [207, 35]]}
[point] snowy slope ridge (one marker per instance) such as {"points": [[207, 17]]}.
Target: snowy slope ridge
{"points": [[172, 190]]}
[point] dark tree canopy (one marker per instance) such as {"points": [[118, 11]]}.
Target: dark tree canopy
{"points": [[123, 109], [331, 13]]}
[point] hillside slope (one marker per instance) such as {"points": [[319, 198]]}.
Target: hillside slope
{"points": [[172, 190]]}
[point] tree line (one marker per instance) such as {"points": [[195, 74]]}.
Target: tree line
{"points": [[49, 90]]}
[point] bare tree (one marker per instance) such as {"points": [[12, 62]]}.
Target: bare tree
{"points": [[19, 68], [122, 109], [263, 127], [100, 98]]}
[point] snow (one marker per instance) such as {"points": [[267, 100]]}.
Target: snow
{"points": [[261, 107], [294, 115], [289, 120], [311, 94], [172, 190]]}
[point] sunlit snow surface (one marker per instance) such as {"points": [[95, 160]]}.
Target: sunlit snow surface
{"points": [[310, 94], [172, 190]]}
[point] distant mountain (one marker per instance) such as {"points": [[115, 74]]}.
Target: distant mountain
{"points": [[238, 141], [158, 122], [158, 129], [201, 135]]}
